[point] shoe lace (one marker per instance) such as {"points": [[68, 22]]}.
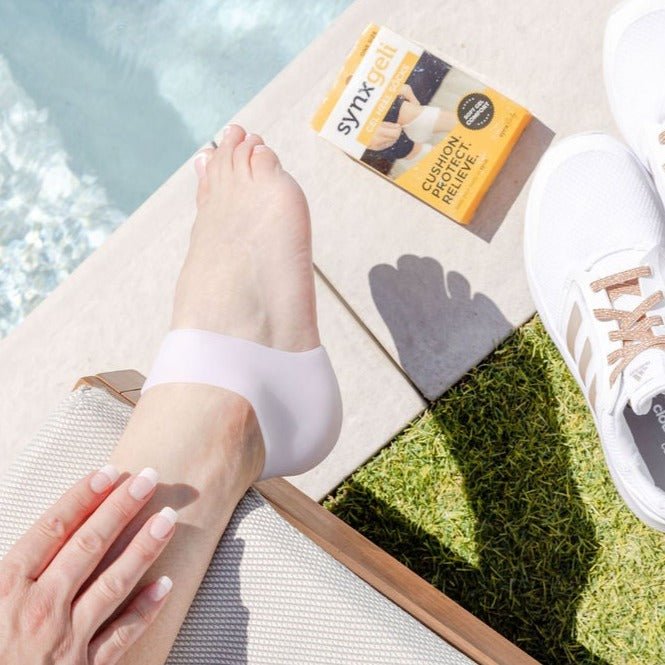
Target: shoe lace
{"points": [[635, 327]]}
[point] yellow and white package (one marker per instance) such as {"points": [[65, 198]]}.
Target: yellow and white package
{"points": [[429, 127]]}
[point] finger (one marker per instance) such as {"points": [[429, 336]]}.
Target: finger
{"points": [[113, 586], [394, 132], [114, 641], [80, 555], [36, 548]]}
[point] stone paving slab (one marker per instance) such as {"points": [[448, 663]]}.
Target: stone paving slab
{"points": [[438, 296]]}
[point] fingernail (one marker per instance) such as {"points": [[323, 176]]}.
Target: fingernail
{"points": [[249, 137], [226, 130], [143, 484], [163, 523], [260, 147], [200, 162], [160, 588], [104, 478]]}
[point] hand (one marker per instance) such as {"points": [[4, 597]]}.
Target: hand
{"points": [[409, 95], [44, 615], [386, 135]]}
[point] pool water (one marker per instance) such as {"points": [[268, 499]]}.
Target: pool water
{"points": [[101, 100]]}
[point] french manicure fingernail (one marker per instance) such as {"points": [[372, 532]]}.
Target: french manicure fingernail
{"points": [[104, 478], [163, 523], [143, 484], [160, 588]]}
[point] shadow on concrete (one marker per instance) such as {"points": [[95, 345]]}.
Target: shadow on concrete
{"points": [[440, 328], [511, 180]]}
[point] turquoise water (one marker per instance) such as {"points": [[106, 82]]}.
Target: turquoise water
{"points": [[100, 101]]}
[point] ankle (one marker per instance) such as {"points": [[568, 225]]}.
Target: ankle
{"points": [[198, 434]]}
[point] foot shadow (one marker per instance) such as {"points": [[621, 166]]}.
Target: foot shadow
{"points": [[511, 180], [439, 327], [534, 539]]}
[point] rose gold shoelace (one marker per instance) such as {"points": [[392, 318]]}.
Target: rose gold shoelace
{"points": [[635, 328]]}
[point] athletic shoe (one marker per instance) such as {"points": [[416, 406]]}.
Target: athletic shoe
{"points": [[595, 263], [634, 64]]}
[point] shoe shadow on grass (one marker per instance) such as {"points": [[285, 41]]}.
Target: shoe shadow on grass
{"points": [[534, 540]]}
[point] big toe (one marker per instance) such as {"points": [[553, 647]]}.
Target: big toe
{"points": [[263, 160], [232, 136]]}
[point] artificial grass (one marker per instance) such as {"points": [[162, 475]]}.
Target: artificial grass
{"points": [[499, 496]]}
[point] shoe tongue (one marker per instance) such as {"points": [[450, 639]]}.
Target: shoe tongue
{"points": [[644, 378]]}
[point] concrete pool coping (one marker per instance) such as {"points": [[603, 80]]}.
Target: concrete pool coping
{"points": [[464, 286]]}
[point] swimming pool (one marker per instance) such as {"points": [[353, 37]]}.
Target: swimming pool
{"points": [[101, 100]]}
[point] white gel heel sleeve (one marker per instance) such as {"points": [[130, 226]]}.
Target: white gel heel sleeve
{"points": [[421, 128], [295, 395]]}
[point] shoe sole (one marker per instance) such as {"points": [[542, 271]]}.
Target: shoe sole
{"points": [[553, 159]]}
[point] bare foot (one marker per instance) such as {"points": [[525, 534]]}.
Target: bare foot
{"points": [[249, 272]]}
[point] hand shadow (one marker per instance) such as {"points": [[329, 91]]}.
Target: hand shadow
{"points": [[217, 623], [439, 327], [534, 539]]}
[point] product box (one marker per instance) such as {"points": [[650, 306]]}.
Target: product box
{"points": [[429, 127]]}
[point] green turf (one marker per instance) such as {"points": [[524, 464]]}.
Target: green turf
{"points": [[499, 496]]}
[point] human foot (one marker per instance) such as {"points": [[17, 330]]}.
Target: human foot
{"points": [[248, 272], [248, 275]]}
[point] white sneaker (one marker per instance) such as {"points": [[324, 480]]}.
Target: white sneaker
{"points": [[634, 64], [595, 263]]}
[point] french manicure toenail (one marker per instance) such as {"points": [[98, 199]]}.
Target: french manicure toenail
{"points": [[163, 523], [200, 162], [104, 478], [143, 484], [161, 587]]}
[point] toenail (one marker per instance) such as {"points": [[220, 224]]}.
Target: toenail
{"points": [[200, 162], [252, 137]]}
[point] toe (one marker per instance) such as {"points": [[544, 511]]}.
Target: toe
{"points": [[263, 160], [231, 137], [243, 153], [201, 161]]}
